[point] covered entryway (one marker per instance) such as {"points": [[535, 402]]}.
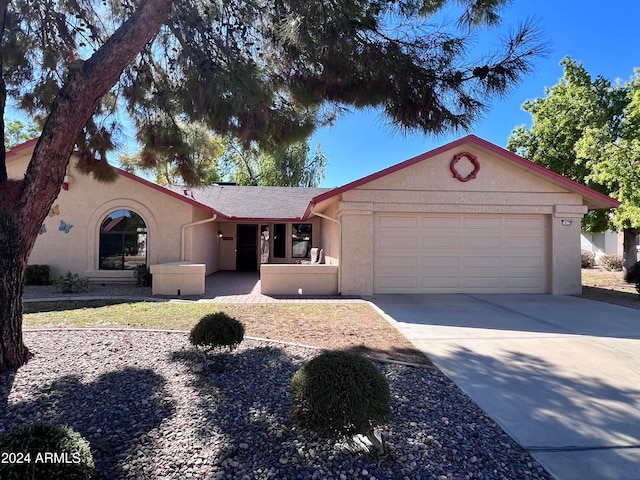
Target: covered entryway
{"points": [[460, 253]]}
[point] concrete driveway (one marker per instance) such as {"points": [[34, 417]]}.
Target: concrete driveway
{"points": [[560, 374]]}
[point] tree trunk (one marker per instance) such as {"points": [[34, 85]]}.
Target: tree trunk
{"points": [[13, 352], [25, 204], [630, 248]]}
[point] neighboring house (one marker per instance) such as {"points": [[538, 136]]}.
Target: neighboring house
{"points": [[466, 217], [605, 243]]}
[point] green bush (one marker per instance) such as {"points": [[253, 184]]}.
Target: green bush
{"points": [[588, 259], [46, 451], [72, 283], [611, 262], [143, 275], [340, 393], [37, 275], [217, 330]]}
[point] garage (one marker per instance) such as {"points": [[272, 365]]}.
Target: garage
{"points": [[460, 253]]}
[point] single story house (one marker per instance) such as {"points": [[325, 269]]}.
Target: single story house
{"points": [[468, 216]]}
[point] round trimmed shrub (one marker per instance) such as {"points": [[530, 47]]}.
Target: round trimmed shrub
{"points": [[46, 451], [217, 330], [340, 393]]}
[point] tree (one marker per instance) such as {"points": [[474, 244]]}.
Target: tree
{"points": [[18, 131], [615, 163], [197, 164], [264, 72], [575, 130], [287, 166]]}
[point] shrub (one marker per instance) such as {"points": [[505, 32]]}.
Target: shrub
{"points": [[73, 459], [340, 393], [72, 283], [588, 259], [37, 275], [143, 275], [217, 330], [611, 262]]}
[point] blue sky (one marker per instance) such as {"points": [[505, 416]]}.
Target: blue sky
{"points": [[604, 36]]}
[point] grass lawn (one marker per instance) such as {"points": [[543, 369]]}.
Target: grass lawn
{"points": [[354, 326]]}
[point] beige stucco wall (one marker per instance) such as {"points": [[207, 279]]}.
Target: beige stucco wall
{"points": [[330, 234], [429, 186], [278, 279], [86, 203]]}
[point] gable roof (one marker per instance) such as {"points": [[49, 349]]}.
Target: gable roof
{"points": [[594, 200]]}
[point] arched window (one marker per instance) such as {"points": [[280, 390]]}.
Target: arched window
{"points": [[123, 241]]}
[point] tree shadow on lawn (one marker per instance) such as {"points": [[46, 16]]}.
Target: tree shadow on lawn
{"points": [[111, 413]]}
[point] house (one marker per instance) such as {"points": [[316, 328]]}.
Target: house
{"points": [[466, 217]]}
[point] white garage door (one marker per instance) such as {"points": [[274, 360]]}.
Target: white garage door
{"points": [[429, 253]]}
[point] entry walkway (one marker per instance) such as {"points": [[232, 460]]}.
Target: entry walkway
{"points": [[560, 374], [220, 287]]}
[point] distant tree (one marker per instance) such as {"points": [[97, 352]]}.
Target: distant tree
{"points": [[197, 162], [265, 72], [18, 131], [584, 129], [289, 166], [615, 163]]}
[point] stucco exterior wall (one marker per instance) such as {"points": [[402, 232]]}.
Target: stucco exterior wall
{"points": [[70, 238], [330, 235]]}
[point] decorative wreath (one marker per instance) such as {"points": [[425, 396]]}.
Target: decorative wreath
{"points": [[474, 161]]}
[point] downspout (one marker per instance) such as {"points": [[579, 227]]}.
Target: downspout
{"points": [[184, 230], [335, 220]]}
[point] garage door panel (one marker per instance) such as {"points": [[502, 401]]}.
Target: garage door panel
{"points": [[482, 222], [482, 241], [399, 242], [482, 262], [441, 222], [440, 261], [398, 282], [398, 261], [398, 221], [441, 241], [441, 283], [535, 223], [460, 253]]}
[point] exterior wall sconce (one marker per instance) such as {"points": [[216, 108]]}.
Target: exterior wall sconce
{"points": [[219, 233]]}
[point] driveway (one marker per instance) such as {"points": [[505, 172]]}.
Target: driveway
{"points": [[560, 374]]}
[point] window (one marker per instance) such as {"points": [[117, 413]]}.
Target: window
{"points": [[123, 241], [300, 240], [279, 240]]}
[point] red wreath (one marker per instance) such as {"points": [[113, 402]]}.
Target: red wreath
{"points": [[474, 161]]}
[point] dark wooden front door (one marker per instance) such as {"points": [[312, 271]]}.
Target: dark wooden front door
{"points": [[247, 248]]}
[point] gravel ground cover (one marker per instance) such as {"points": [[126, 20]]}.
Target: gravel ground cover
{"points": [[151, 409]]}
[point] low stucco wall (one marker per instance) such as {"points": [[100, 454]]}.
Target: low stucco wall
{"points": [[178, 278], [298, 279]]}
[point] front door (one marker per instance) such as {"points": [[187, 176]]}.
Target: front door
{"points": [[247, 248]]}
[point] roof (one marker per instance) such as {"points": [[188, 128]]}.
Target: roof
{"points": [[296, 203], [594, 200], [256, 203]]}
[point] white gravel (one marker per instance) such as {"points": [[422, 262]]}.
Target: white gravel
{"points": [[149, 413]]}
